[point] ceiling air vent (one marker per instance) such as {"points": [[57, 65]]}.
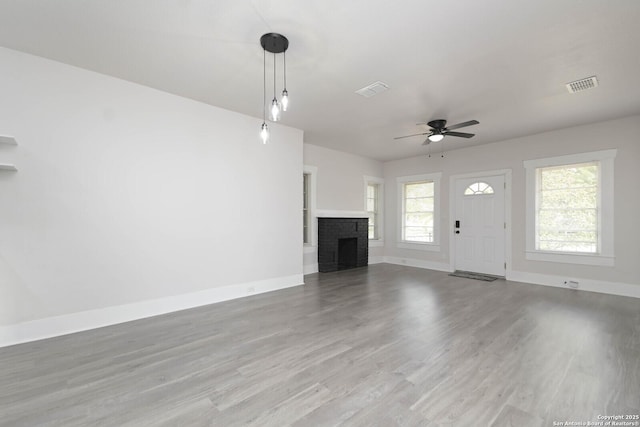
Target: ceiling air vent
{"points": [[372, 89], [582, 84]]}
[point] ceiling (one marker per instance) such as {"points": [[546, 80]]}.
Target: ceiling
{"points": [[504, 63]]}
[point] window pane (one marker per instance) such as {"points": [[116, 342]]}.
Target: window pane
{"points": [[305, 208], [371, 205], [478, 188], [570, 176], [419, 205], [568, 246], [305, 227], [569, 199], [419, 234], [418, 189], [305, 190], [568, 236], [371, 191], [418, 219], [574, 219]]}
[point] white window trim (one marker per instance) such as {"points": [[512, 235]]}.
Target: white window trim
{"points": [[313, 223], [380, 182], [432, 246], [605, 228]]}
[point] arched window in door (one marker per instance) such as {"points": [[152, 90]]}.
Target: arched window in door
{"points": [[478, 188]]}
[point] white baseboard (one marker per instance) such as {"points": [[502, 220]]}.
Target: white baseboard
{"points": [[310, 268], [420, 263], [376, 259], [92, 319], [590, 285]]}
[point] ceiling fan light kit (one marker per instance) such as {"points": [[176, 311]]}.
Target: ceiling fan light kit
{"points": [[435, 137], [439, 130], [273, 43]]}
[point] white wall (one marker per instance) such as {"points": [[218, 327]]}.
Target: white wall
{"points": [[125, 194], [339, 187], [623, 134]]}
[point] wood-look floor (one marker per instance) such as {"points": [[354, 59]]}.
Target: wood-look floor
{"points": [[383, 345]]}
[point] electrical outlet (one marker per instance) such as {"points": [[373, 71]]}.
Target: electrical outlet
{"points": [[572, 283], [251, 290]]}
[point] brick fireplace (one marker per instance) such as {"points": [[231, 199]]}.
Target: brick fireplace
{"points": [[343, 243]]}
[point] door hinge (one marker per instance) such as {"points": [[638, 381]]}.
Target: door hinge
{"points": [[505, 265], [505, 225], [505, 185]]}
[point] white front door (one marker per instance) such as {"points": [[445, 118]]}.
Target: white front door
{"points": [[479, 227]]}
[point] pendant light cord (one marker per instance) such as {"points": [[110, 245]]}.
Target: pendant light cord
{"points": [[264, 85], [284, 56], [274, 76]]}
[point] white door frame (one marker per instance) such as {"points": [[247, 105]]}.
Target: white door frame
{"points": [[507, 214]]}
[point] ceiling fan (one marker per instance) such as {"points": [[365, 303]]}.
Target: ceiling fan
{"points": [[439, 129]]}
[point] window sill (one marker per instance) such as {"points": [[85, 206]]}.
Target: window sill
{"points": [[566, 258], [308, 249], [376, 243], [432, 247]]}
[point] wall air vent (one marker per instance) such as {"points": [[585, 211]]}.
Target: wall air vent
{"points": [[373, 89], [582, 84]]}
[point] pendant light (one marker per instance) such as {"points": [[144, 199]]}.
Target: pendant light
{"points": [[275, 107], [274, 43], [264, 131], [285, 93]]}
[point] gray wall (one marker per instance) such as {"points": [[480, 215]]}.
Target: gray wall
{"points": [[622, 134]]}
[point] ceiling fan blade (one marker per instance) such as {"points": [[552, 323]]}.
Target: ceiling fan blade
{"points": [[461, 125], [460, 134], [426, 142], [409, 136]]}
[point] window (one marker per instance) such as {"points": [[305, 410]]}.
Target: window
{"points": [[417, 219], [419, 214], [478, 188], [373, 203], [570, 208], [372, 210], [305, 208], [567, 208], [309, 226]]}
